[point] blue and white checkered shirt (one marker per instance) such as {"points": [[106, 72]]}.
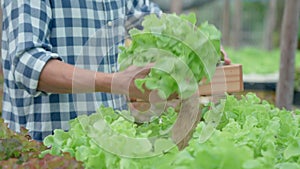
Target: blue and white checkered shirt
{"points": [[84, 33]]}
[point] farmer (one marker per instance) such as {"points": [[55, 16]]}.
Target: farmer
{"points": [[60, 60]]}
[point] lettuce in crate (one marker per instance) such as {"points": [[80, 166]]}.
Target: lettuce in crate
{"points": [[184, 53]]}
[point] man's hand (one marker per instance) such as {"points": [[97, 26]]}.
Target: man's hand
{"points": [[227, 61], [123, 82]]}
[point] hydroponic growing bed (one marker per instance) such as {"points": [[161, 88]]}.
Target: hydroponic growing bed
{"points": [[261, 70], [248, 133]]}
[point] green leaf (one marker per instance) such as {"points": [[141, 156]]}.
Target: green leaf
{"points": [[82, 153], [293, 149], [287, 165], [163, 145], [191, 17], [139, 83]]}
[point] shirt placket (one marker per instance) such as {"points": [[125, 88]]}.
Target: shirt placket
{"points": [[109, 27], [113, 17]]}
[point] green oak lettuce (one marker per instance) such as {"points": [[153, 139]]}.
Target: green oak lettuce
{"points": [[183, 52], [249, 134]]}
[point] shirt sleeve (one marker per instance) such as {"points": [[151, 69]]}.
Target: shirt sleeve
{"points": [[137, 9], [26, 25]]}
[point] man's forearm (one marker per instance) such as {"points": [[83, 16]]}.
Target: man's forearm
{"points": [[59, 77]]}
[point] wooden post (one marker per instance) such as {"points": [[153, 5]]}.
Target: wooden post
{"points": [[226, 23], [270, 24], [289, 34], [237, 24], [176, 6]]}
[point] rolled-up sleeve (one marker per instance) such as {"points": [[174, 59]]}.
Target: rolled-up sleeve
{"points": [[27, 26], [137, 9]]}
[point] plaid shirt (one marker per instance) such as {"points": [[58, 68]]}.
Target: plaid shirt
{"points": [[84, 33]]}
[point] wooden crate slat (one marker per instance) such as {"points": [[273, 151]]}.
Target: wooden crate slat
{"points": [[226, 79]]}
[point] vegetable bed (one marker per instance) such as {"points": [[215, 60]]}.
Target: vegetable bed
{"points": [[261, 71], [258, 61], [243, 134]]}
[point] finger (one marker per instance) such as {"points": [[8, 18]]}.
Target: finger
{"points": [[227, 61]]}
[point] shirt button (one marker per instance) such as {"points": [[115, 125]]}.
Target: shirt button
{"points": [[113, 69], [109, 23]]}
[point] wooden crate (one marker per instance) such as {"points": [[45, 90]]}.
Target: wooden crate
{"points": [[227, 79]]}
